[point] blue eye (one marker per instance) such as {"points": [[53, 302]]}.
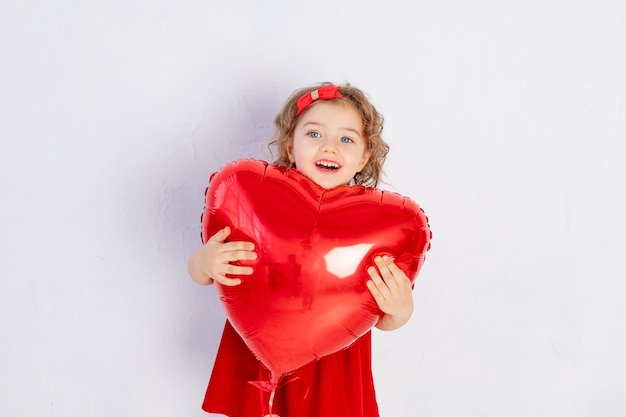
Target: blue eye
{"points": [[314, 134], [346, 139]]}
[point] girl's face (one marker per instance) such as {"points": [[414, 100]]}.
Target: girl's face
{"points": [[328, 144]]}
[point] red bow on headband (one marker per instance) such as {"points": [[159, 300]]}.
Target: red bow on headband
{"points": [[323, 93]]}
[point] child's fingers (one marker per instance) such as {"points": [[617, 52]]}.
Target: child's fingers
{"points": [[238, 270], [392, 274], [221, 235], [383, 265], [241, 255], [394, 269], [230, 282], [373, 288], [376, 284], [390, 287], [233, 270], [239, 249]]}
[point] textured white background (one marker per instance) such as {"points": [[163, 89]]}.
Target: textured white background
{"points": [[507, 122]]}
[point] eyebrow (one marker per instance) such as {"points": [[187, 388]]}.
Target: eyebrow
{"points": [[322, 125]]}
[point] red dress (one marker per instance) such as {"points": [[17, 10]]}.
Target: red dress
{"points": [[338, 385]]}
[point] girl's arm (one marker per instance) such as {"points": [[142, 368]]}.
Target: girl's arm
{"points": [[213, 260], [392, 290]]}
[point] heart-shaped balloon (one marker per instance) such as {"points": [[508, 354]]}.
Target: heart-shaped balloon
{"points": [[307, 297]]}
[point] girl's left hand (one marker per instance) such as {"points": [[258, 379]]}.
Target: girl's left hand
{"points": [[392, 291]]}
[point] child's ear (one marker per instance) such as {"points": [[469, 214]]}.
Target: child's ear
{"points": [[289, 147], [364, 159]]}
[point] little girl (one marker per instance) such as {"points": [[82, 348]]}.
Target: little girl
{"points": [[332, 135]]}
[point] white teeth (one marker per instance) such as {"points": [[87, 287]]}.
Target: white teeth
{"points": [[327, 164]]}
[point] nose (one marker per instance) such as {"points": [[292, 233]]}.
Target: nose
{"points": [[329, 145]]}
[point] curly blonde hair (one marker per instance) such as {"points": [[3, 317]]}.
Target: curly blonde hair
{"points": [[286, 120]]}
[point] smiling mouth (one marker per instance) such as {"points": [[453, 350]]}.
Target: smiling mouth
{"points": [[330, 166]]}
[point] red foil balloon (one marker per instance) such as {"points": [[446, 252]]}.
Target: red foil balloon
{"points": [[307, 297]]}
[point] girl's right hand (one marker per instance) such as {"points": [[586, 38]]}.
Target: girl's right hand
{"points": [[213, 260]]}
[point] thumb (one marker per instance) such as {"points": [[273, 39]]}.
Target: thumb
{"points": [[221, 235]]}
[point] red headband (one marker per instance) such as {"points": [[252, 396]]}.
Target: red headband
{"points": [[323, 93]]}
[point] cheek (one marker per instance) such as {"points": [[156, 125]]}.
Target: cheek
{"points": [[298, 149]]}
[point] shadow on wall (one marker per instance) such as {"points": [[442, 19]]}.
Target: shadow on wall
{"points": [[234, 127]]}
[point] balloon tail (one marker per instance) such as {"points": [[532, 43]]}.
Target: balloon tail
{"points": [[271, 387], [267, 386], [271, 402]]}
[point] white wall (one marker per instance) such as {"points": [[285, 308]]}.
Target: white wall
{"points": [[507, 122]]}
